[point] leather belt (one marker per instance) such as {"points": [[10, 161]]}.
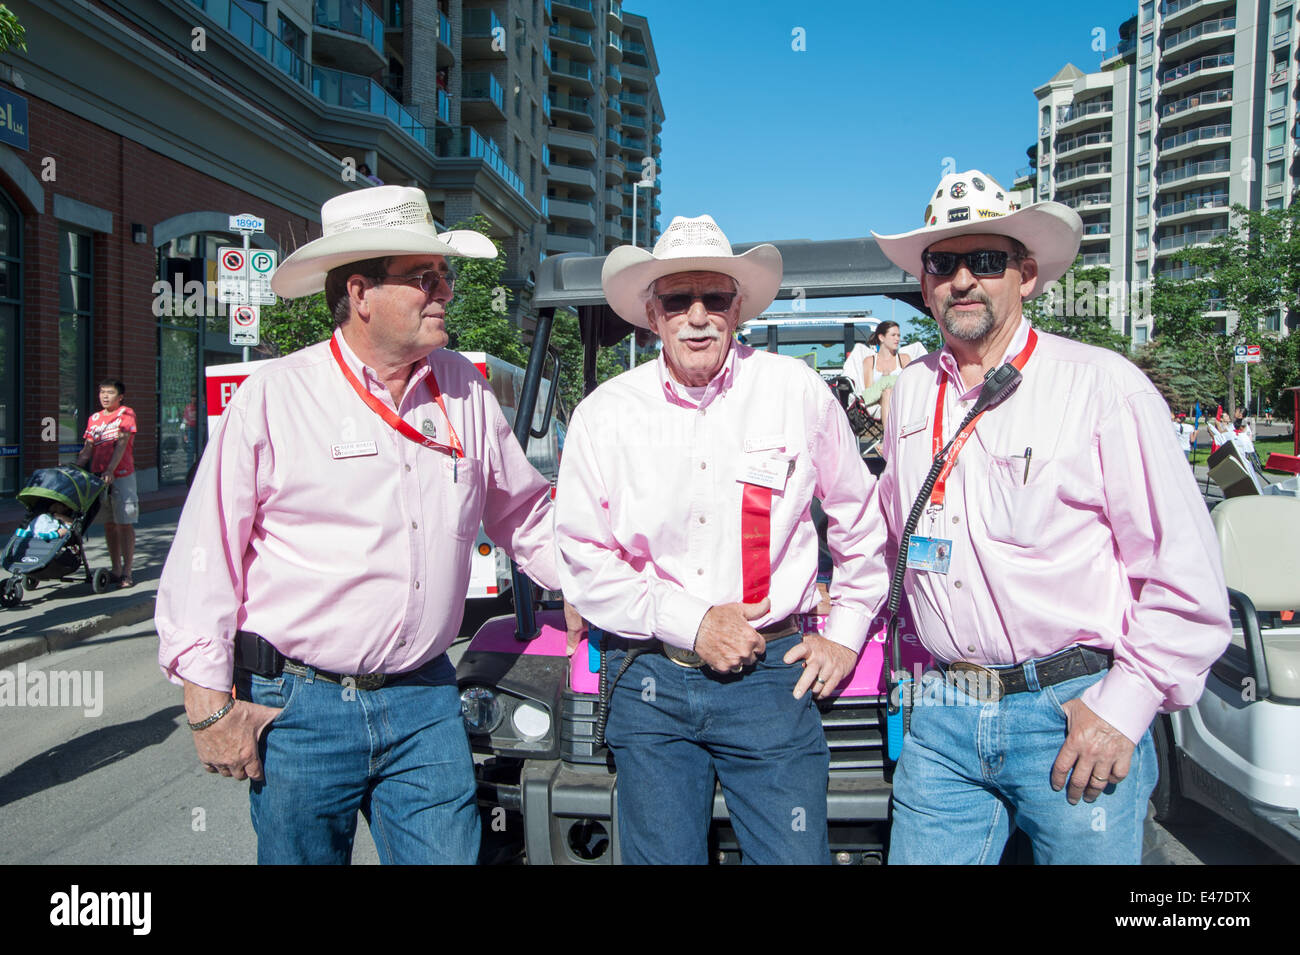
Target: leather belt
{"points": [[689, 658], [993, 683], [256, 655]]}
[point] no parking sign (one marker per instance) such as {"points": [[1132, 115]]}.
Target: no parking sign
{"points": [[245, 323]]}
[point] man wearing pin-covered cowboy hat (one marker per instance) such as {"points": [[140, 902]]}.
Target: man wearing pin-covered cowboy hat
{"points": [[321, 562], [1082, 593], [684, 532]]}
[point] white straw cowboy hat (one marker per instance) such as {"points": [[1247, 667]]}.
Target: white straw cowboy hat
{"points": [[971, 203], [689, 245], [368, 224]]}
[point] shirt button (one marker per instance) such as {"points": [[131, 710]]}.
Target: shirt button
{"points": [[703, 465], [970, 649], [401, 643], [957, 584], [407, 466], [956, 519], [702, 518], [414, 526], [417, 585], [699, 572]]}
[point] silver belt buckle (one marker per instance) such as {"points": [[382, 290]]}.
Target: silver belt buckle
{"points": [[977, 681], [683, 658]]}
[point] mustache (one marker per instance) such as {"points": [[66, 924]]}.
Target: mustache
{"points": [[975, 296], [706, 332]]}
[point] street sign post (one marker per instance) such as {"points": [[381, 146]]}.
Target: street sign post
{"points": [[245, 325], [244, 278]]}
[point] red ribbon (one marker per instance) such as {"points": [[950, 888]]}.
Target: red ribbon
{"points": [[936, 444], [755, 542]]}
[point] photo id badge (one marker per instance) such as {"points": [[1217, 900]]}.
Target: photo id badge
{"points": [[929, 553]]}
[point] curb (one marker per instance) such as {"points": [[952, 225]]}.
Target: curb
{"points": [[62, 636]]}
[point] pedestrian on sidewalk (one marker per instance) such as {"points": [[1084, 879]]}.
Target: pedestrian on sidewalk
{"points": [[110, 436]]}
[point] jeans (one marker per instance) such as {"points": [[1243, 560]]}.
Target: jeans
{"points": [[970, 770], [674, 729], [399, 754]]}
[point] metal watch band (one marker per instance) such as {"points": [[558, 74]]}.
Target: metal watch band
{"points": [[214, 717]]}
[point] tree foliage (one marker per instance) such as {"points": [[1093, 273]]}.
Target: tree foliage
{"points": [[293, 323], [13, 36], [478, 318], [1080, 306]]}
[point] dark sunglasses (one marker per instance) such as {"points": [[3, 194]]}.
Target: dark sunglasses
{"points": [[981, 262], [675, 303], [427, 281]]}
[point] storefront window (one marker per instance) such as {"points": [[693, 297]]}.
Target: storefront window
{"points": [[75, 283], [10, 303]]}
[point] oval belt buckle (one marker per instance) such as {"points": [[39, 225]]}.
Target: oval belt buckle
{"points": [[977, 681], [683, 658]]}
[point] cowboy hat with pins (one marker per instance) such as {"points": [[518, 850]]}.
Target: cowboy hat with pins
{"points": [[689, 245], [972, 203], [369, 224]]}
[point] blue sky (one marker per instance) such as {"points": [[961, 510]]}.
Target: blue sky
{"points": [[851, 133]]}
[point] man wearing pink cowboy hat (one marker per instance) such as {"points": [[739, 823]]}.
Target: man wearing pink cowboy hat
{"points": [[683, 528], [1083, 593], [322, 560]]}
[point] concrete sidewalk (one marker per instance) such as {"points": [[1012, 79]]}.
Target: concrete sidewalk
{"points": [[57, 615]]}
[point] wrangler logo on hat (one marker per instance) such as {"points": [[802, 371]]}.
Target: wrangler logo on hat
{"points": [[988, 213]]}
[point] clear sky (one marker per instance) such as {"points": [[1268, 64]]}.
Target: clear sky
{"points": [[851, 133]]}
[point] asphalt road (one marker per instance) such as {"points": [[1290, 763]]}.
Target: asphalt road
{"points": [[124, 787]]}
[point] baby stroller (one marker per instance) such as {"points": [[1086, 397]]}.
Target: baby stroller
{"points": [[866, 428], [31, 555]]}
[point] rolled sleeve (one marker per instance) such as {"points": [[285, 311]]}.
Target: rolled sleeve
{"points": [[517, 514]]}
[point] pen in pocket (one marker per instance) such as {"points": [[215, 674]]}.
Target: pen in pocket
{"points": [[1028, 453]]}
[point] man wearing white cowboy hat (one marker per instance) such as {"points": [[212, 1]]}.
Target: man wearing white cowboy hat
{"points": [[322, 561], [683, 527], [1083, 591]]}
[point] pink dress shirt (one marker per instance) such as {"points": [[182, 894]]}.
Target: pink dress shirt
{"points": [[314, 524], [647, 516], [1106, 543]]}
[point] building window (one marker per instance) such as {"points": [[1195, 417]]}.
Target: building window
{"points": [[1273, 322], [1274, 176], [1144, 269], [1144, 78], [1144, 110], [11, 270], [1277, 135], [1274, 203], [292, 37], [1046, 122], [1144, 173], [1277, 97], [536, 75], [76, 279], [255, 9], [1144, 143], [1140, 334], [1148, 10], [1148, 44], [1143, 239], [1282, 21], [1144, 206], [1280, 60], [519, 101]]}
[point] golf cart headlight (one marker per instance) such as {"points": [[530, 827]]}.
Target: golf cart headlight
{"points": [[480, 709], [530, 721]]}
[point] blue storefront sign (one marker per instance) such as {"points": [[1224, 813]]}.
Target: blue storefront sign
{"points": [[69, 448], [8, 450], [13, 119]]}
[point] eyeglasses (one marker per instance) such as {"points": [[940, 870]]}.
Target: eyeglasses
{"points": [[981, 262], [427, 281], [675, 303]]}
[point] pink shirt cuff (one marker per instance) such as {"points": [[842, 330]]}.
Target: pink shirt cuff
{"points": [[679, 619], [1125, 701], [204, 661], [847, 627]]}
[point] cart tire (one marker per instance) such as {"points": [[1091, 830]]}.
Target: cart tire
{"points": [[12, 594], [1167, 797], [31, 582], [99, 583]]}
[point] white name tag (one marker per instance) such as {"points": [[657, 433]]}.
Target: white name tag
{"points": [[355, 449], [770, 442], [914, 427], [766, 472]]}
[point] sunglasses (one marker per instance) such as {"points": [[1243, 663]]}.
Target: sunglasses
{"points": [[675, 303], [427, 281], [981, 262]]}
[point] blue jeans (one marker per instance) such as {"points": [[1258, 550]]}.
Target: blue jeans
{"points": [[675, 730], [970, 770], [399, 754]]}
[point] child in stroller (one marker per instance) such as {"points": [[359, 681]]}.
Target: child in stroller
{"points": [[61, 504]]}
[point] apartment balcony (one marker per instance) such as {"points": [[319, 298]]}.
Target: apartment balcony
{"points": [[1191, 208], [1090, 200], [576, 109], [1190, 139], [614, 199], [581, 144], [580, 12], [1196, 172], [613, 79], [483, 99], [578, 75], [613, 47], [1181, 12], [1084, 173], [1081, 145], [351, 91], [634, 145], [1186, 240], [634, 51], [464, 142], [613, 140], [1094, 258], [636, 122], [483, 35], [615, 169], [266, 45], [1075, 116], [573, 42], [580, 178], [444, 106], [632, 103], [635, 76], [446, 51], [1204, 101], [572, 210], [1198, 35], [657, 120], [1096, 230], [1178, 273], [1205, 67], [557, 243], [614, 15], [613, 111], [349, 35]]}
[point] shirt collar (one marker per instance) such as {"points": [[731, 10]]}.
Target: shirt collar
{"points": [[678, 394], [948, 361], [367, 374]]}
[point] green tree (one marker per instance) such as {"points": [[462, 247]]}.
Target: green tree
{"points": [[294, 323], [478, 318], [1079, 306], [12, 34]]}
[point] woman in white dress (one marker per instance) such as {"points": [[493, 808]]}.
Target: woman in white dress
{"points": [[880, 369]]}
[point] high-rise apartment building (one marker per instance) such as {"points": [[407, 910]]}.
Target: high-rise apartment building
{"points": [[1189, 115]]}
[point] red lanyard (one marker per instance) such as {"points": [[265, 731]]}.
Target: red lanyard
{"points": [[455, 449], [936, 496]]}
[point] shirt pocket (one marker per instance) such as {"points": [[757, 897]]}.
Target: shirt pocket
{"points": [[1020, 505], [461, 488]]}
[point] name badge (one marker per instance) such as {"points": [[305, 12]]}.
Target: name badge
{"points": [[354, 449], [770, 442], [913, 427], [770, 472], [929, 553]]}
